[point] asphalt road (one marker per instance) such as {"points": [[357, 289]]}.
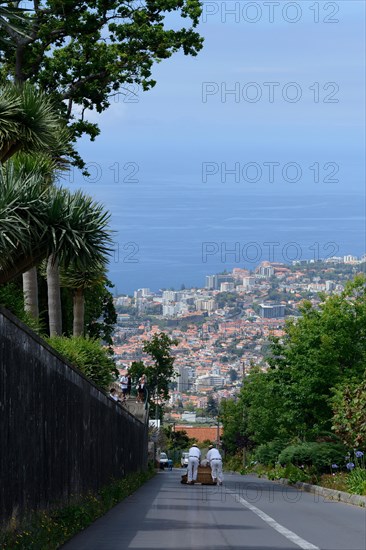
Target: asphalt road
{"points": [[246, 513]]}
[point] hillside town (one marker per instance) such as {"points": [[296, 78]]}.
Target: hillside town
{"points": [[224, 328]]}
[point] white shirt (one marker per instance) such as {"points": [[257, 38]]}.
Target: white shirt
{"points": [[124, 382], [194, 451], [213, 454]]}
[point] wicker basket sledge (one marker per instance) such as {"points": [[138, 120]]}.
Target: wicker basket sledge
{"points": [[203, 476]]}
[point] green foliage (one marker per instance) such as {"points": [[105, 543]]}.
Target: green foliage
{"points": [[160, 374], [320, 455], [226, 299], [12, 298], [177, 439], [29, 122], [290, 472], [336, 481], [278, 472], [232, 373], [89, 357], [100, 313], [264, 419], [37, 222], [267, 453], [356, 481], [49, 530], [294, 474], [326, 347], [83, 54], [234, 463], [349, 413], [212, 408], [232, 418]]}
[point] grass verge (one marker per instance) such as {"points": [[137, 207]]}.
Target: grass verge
{"points": [[49, 530]]}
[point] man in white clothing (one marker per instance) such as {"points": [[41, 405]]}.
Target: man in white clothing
{"points": [[193, 461], [124, 386], [214, 458]]}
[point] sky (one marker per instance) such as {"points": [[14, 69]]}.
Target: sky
{"points": [[271, 112]]}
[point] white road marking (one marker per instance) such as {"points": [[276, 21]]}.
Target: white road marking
{"points": [[290, 535]]}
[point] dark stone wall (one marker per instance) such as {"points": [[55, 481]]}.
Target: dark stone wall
{"points": [[60, 436]]}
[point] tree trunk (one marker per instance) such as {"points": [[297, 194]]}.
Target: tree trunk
{"points": [[30, 292], [54, 297], [79, 305], [23, 263]]}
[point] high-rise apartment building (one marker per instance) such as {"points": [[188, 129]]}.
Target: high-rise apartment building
{"points": [[272, 311]]}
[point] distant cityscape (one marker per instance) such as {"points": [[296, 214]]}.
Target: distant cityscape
{"points": [[223, 328]]}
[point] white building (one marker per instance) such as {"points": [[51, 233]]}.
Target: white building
{"points": [[227, 287], [248, 282]]}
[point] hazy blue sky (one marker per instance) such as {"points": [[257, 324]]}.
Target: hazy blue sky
{"points": [[293, 125]]}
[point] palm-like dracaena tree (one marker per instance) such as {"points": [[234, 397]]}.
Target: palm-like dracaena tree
{"points": [[82, 240], [23, 206], [29, 121], [30, 124], [43, 167], [36, 223], [79, 281]]}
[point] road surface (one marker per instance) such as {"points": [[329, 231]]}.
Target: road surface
{"points": [[246, 513]]}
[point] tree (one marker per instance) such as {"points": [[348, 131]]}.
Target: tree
{"points": [[233, 375], [100, 313], [326, 346], [160, 374], [177, 439], [84, 53], [79, 280], [212, 408], [12, 20], [349, 413], [83, 245], [322, 350], [33, 135], [231, 416], [23, 214], [29, 122]]}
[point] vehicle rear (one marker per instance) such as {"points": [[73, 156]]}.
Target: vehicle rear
{"points": [[184, 459]]}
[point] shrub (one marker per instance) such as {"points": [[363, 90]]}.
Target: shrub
{"points": [[11, 297], [88, 356], [234, 463], [267, 453], [356, 481], [320, 455], [294, 474], [278, 472]]}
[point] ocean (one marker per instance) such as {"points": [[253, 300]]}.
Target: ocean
{"points": [[169, 234]]}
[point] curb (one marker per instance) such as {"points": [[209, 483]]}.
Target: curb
{"points": [[330, 494]]}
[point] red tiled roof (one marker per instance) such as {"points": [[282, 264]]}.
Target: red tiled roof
{"points": [[201, 433]]}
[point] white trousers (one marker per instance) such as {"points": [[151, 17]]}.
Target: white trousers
{"points": [[192, 468], [216, 469]]}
